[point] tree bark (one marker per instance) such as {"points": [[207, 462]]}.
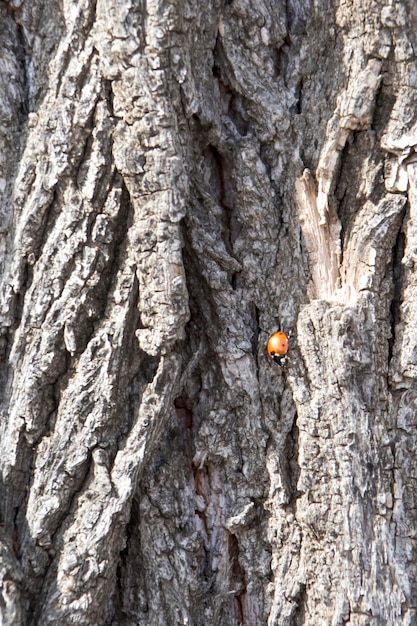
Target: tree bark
{"points": [[178, 182]]}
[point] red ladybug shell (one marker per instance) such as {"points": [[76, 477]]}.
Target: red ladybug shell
{"points": [[277, 344]]}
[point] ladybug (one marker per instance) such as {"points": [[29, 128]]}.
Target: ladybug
{"points": [[277, 347]]}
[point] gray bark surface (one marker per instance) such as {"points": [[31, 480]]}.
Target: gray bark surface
{"points": [[179, 180]]}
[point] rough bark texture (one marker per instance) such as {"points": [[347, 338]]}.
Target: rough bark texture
{"points": [[179, 180]]}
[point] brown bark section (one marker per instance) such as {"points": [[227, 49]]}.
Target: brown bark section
{"points": [[183, 180]]}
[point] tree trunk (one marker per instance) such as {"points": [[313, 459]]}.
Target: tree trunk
{"points": [[179, 181]]}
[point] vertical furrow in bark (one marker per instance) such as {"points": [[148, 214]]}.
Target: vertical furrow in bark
{"points": [[220, 553]]}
